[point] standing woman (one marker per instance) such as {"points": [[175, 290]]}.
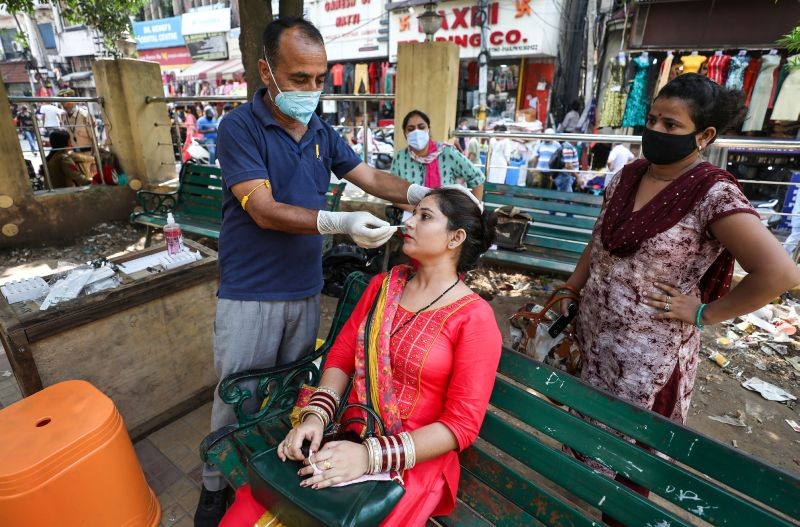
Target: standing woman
{"points": [[430, 163], [661, 258]]}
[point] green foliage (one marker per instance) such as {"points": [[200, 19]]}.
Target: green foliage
{"points": [[791, 41], [110, 17]]}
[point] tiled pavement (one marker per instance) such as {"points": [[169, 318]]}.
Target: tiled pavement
{"points": [[168, 456]]}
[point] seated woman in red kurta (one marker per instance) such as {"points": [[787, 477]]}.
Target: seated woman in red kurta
{"points": [[438, 346]]}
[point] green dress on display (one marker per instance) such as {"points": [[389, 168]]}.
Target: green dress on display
{"points": [[637, 106]]}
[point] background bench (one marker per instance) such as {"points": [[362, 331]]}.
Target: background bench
{"points": [[562, 226], [197, 203], [516, 473]]}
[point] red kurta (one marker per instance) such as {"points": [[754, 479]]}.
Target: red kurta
{"points": [[444, 364]]}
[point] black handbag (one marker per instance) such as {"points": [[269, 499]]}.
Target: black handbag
{"points": [[511, 228], [276, 485]]}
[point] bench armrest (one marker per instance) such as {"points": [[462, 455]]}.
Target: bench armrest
{"points": [[157, 202], [278, 386]]}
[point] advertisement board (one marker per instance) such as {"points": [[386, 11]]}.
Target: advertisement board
{"points": [[161, 33], [207, 46], [176, 56], [352, 29], [206, 21], [516, 28]]}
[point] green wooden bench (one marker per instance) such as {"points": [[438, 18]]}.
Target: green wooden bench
{"points": [[197, 203], [562, 226], [516, 473]]}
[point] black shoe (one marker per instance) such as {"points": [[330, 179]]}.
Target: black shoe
{"points": [[212, 507]]}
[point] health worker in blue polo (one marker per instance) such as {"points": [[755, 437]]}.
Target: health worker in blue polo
{"points": [[276, 157]]}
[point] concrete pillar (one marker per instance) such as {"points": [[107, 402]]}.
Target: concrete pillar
{"points": [[15, 189], [427, 80], [139, 133], [27, 218]]}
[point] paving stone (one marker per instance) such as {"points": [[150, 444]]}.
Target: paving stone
{"points": [[159, 471]]}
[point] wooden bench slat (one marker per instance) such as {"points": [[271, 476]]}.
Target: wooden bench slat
{"points": [[197, 210], [607, 495], [527, 259], [208, 179], [490, 505], [696, 495], [548, 206], [564, 234], [554, 243], [462, 516], [204, 191], [543, 193], [521, 491], [758, 480]]}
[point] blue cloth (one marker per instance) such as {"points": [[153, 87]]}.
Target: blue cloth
{"points": [[545, 151], [261, 264], [204, 123], [569, 154], [564, 182]]}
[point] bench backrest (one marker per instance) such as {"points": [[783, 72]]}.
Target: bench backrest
{"points": [[552, 211], [200, 191], [736, 489]]}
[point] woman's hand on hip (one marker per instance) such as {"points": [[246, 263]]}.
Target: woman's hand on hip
{"points": [[672, 304], [337, 462], [310, 429]]}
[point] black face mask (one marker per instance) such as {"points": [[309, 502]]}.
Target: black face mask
{"points": [[664, 149]]}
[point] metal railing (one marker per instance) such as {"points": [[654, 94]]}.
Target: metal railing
{"points": [[38, 133], [363, 100]]}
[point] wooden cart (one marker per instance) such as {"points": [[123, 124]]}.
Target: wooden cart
{"points": [[147, 343]]}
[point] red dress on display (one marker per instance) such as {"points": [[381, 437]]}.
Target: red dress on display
{"points": [[443, 368]]}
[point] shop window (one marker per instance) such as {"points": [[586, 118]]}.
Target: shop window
{"points": [[11, 48], [48, 36], [82, 63]]}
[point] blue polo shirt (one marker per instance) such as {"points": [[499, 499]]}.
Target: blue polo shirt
{"points": [[262, 264]]}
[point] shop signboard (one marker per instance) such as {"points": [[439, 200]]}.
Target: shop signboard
{"points": [[516, 28], [161, 33], [352, 29], [207, 46], [175, 56], [206, 21]]}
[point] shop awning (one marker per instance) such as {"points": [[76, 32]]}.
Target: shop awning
{"points": [[14, 72], [77, 76], [212, 70]]}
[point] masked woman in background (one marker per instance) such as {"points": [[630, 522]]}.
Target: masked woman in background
{"points": [[430, 163], [661, 258]]}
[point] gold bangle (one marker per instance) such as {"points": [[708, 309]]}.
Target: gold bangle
{"points": [[246, 198]]}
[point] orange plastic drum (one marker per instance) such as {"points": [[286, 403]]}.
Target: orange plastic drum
{"points": [[66, 459]]}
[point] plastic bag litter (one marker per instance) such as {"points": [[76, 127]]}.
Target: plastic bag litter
{"points": [[768, 391]]}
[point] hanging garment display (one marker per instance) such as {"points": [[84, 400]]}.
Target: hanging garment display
{"points": [[663, 77], [757, 110], [750, 75], [637, 105], [337, 71], [738, 64], [692, 63], [718, 68], [787, 104], [361, 79], [614, 99]]}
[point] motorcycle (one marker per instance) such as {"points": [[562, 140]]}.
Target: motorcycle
{"points": [[767, 212], [196, 153]]}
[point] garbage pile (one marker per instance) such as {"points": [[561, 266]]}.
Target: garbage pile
{"points": [[761, 350]]}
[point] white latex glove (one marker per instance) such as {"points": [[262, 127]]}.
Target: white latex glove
{"points": [[415, 193], [365, 229], [468, 192]]}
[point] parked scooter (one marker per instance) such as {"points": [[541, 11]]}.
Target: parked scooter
{"points": [[767, 210], [197, 153]]}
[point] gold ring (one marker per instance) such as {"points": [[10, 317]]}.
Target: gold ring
{"points": [[668, 299], [327, 465]]}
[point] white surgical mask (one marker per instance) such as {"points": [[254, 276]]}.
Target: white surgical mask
{"points": [[418, 139]]}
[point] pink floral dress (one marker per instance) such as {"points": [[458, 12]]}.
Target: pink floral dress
{"points": [[625, 351]]}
